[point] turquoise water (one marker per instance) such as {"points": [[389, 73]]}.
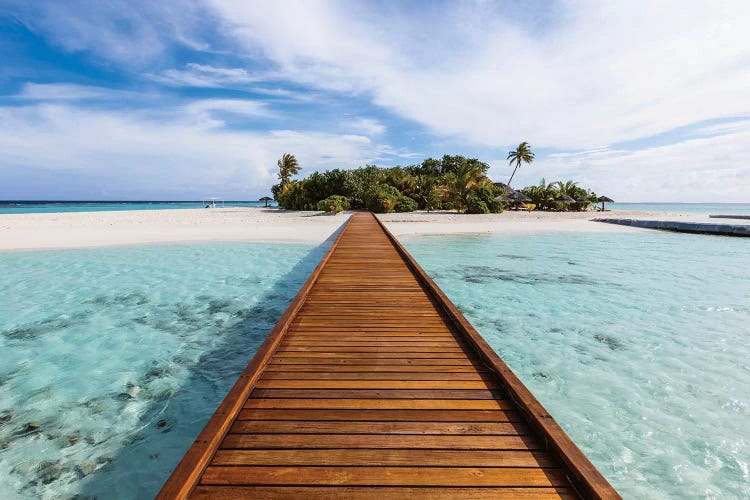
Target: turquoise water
{"points": [[637, 343], [112, 360], [36, 207], [686, 208]]}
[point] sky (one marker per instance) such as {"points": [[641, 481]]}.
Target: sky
{"points": [[639, 100]]}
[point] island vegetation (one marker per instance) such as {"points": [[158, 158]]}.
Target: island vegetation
{"points": [[451, 183]]}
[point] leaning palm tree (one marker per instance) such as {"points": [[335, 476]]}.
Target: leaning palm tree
{"points": [[288, 167], [521, 154]]}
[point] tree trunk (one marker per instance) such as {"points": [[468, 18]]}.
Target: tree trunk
{"points": [[511, 175]]}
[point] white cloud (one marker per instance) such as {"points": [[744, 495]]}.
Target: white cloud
{"points": [[68, 92], [206, 112], [709, 169], [200, 75], [368, 126], [131, 33], [598, 73], [137, 153]]}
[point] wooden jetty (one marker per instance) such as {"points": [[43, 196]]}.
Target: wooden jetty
{"points": [[741, 230], [373, 385]]}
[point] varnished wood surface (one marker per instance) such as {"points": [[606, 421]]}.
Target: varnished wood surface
{"points": [[369, 387]]}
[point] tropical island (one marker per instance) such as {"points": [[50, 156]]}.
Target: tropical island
{"points": [[452, 182]]}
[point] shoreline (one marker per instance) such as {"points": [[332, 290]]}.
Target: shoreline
{"points": [[107, 229]]}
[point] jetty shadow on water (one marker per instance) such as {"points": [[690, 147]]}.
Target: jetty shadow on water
{"points": [[171, 424]]}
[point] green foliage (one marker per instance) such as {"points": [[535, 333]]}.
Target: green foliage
{"points": [[450, 183], [459, 185], [475, 205], [481, 199], [288, 167], [293, 196], [334, 204], [406, 204], [382, 198], [426, 192], [544, 196]]}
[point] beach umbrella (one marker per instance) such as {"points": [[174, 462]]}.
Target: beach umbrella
{"points": [[504, 187], [503, 198], [604, 199], [266, 199], [519, 197], [565, 199]]}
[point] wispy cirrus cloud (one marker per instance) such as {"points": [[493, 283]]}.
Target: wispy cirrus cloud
{"points": [[201, 75]]}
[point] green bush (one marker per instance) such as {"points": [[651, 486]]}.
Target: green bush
{"points": [[475, 205], [406, 204], [382, 198], [293, 196], [334, 204]]}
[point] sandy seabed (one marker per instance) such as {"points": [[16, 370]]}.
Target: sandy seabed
{"points": [[117, 228]]}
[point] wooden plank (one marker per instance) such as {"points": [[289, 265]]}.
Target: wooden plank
{"points": [[386, 457], [297, 383], [276, 360], [370, 368], [366, 441], [417, 394], [386, 476], [429, 415], [378, 493], [382, 427], [381, 376], [382, 404]]}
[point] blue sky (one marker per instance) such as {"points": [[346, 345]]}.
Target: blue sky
{"points": [[639, 100]]}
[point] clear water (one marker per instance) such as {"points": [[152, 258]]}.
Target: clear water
{"points": [[120, 356], [687, 208], [637, 343], [37, 207]]}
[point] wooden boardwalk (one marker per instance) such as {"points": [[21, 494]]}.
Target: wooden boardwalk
{"points": [[373, 385]]}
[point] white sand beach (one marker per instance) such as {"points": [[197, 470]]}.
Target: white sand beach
{"points": [[117, 228]]}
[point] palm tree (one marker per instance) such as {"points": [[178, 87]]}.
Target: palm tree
{"points": [[459, 184], [521, 154], [542, 195], [288, 167], [569, 188]]}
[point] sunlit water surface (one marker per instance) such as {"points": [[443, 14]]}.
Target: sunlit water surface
{"points": [[637, 343], [112, 360]]}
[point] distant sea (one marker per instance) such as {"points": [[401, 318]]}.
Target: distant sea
{"points": [[52, 206], [32, 207], [686, 208]]}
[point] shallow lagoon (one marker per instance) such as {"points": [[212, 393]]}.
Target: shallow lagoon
{"points": [[112, 360], [637, 343]]}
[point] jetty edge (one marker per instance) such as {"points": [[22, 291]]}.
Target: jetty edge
{"points": [[373, 384], [741, 230]]}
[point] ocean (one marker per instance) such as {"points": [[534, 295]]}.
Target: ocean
{"points": [[686, 208], [38, 207], [26, 207], [112, 360]]}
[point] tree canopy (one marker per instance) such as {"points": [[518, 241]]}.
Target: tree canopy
{"points": [[450, 183], [522, 154]]}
